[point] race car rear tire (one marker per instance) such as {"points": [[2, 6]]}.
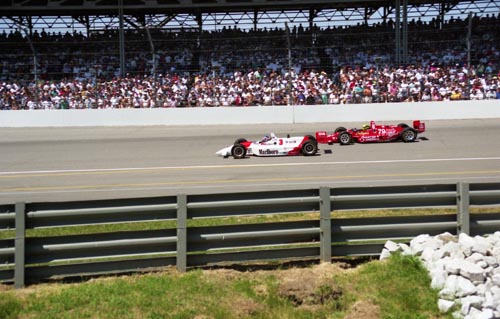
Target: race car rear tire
{"points": [[403, 125], [345, 138], [240, 140], [408, 135], [238, 151], [340, 129], [310, 148]]}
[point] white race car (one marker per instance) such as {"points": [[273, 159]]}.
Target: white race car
{"points": [[271, 145]]}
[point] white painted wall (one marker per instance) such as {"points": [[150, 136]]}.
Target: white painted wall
{"points": [[254, 115]]}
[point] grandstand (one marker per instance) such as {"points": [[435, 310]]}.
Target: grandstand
{"points": [[181, 53]]}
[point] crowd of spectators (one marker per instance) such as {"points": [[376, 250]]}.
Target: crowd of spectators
{"points": [[232, 67]]}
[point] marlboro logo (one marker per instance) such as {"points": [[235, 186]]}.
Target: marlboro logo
{"points": [[268, 152]]}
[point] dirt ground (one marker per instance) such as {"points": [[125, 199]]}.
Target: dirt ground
{"points": [[306, 287]]}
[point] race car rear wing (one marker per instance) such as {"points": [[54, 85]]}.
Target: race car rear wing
{"points": [[323, 138], [419, 126]]}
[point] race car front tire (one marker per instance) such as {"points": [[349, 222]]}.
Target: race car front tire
{"points": [[340, 129], [408, 135], [238, 151], [310, 148], [345, 138]]}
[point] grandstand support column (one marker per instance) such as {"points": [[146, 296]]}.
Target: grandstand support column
{"points": [[469, 68], [199, 45], [312, 15], [86, 22], [29, 20], [405, 32], [121, 38], [35, 64], [255, 19], [397, 27], [153, 54], [199, 21], [442, 11], [289, 80]]}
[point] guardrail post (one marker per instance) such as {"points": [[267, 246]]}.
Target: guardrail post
{"points": [[463, 213], [20, 249], [325, 224], [181, 232]]}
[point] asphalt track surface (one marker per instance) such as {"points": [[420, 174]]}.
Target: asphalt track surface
{"points": [[67, 164]]}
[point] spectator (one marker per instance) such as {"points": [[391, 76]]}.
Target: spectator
{"points": [[225, 76]]}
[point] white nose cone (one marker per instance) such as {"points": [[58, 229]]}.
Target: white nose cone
{"points": [[224, 152]]}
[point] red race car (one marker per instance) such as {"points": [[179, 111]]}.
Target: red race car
{"points": [[372, 133]]}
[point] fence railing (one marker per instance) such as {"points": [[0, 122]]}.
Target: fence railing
{"points": [[182, 243]]}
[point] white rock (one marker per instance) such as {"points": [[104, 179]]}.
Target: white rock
{"points": [[483, 264], [384, 254], [495, 252], [427, 255], [464, 287], [438, 278], [492, 261], [451, 284], [475, 258], [466, 270], [495, 299], [417, 243], [489, 301], [495, 279], [392, 246], [470, 301], [445, 305], [473, 312], [446, 237], [485, 314], [466, 242], [453, 266], [472, 271], [481, 289], [405, 249], [447, 293], [481, 245], [453, 250], [495, 290]]}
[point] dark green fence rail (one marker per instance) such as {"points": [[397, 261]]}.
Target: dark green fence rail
{"points": [[28, 259]]}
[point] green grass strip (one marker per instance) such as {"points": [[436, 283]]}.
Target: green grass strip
{"points": [[396, 288]]}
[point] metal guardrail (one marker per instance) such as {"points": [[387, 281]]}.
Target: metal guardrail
{"points": [[25, 259]]}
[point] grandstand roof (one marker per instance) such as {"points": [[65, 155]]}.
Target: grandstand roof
{"points": [[104, 7]]}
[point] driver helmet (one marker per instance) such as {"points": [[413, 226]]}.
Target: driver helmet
{"points": [[365, 126], [266, 138]]}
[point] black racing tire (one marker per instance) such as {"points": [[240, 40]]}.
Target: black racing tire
{"points": [[345, 138], [238, 151], [403, 125], [340, 129], [310, 148], [409, 135], [240, 140]]}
